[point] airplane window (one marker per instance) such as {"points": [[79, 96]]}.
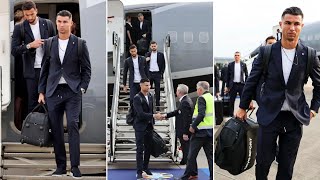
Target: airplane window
{"points": [[188, 37], [310, 38], [317, 36], [173, 36], [203, 37]]}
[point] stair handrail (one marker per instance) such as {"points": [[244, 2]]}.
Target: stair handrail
{"points": [[116, 90], [170, 94]]}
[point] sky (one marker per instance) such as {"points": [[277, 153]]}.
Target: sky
{"points": [[242, 25]]}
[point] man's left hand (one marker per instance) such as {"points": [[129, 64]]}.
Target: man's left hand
{"points": [[185, 137], [191, 129]]}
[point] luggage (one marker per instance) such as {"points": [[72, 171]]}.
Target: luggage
{"points": [[226, 100], [142, 45], [36, 128], [236, 145], [158, 145], [218, 111]]}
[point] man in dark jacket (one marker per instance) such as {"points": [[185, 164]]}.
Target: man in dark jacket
{"points": [[224, 78], [27, 41], [143, 126], [183, 120]]}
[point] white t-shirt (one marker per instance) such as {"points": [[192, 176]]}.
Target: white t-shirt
{"points": [[154, 62], [147, 98], [141, 24], [62, 51], [137, 76], [237, 72], [39, 51], [287, 61]]}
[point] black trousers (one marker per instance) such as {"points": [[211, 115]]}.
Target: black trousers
{"points": [[195, 145], [289, 131], [143, 143], [65, 100], [222, 88], [185, 145], [134, 89], [32, 89], [236, 88], [155, 77]]}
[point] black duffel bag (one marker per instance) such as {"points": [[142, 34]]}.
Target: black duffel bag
{"points": [[36, 128], [236, 145], [158, 145]]}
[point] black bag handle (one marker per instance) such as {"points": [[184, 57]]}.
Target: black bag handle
{"points": [[39, 106]]}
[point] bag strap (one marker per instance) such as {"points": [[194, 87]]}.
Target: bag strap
{"points": [[265, 59], [22, 32], [309, 64], [39, 106], [49, 26], [80, 47]]}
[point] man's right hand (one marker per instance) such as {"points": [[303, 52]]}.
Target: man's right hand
{"points": [[241, 114], [157, 116], [125, 88], [226, 90], [36, 43], [41, 98]]}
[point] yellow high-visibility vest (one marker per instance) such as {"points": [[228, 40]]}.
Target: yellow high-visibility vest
{"points": [[207, 122]]}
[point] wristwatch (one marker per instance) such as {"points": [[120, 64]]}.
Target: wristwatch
{"points": [[28, 46]]}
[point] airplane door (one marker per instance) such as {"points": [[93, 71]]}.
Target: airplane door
{"points": [[93, 31], [115, 24], [5, 53]]}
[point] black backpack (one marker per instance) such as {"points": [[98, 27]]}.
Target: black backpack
{"points": [[158, 145], [236, 145], [266, 58]]}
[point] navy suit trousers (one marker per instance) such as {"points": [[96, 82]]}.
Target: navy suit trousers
{"points": [[65, 100], [143, 143], [289, 131], [32, 89], [134, 89]]}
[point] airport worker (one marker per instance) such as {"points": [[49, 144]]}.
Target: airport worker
{"points": [[202, 131], [27, 41], [65, 76], [283, 109]]}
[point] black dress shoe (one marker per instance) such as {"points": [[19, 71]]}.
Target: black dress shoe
{"points": [[139, 176], [147, 171], [183, 162], [59, 172]]}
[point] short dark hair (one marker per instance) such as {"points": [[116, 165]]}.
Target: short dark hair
{"points": [[27, 5], [143, 80], [140, 14], [132, 47], [65, 13], [237, 52], [270, 37], [153, 42], [293, 11]]}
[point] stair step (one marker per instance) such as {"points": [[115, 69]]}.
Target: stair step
{"points": [[134, 152], [151, 160], [131, 145], [133, 138], [51, 155]]}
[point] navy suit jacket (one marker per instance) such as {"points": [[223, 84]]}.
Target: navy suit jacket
{"points": [[128, 65], [275, 91], [146, 29], [76, 71], [17, 48], [144, 111], [160, 60], [230, 75], [183, 116]]}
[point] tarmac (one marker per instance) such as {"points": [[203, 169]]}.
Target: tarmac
{"points": [[307, 166]]}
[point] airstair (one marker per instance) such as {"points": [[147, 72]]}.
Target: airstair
{"points": [[122, 137]]}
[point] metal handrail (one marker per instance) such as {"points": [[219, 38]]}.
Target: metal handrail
{"points": [[1, 150], [170, 97], [116, 90]]}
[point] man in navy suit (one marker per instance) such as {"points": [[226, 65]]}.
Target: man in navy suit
{"points": [[236, 77], [138, 70], [282, 104], [29, 46], [65, 76], [143, 126], [144, 32], [156, 66]]}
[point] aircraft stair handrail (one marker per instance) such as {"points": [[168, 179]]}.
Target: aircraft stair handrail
{"points": [[170, 95], [116, 90], [1, 153]]}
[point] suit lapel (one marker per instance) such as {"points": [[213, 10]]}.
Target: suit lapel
{"points": [[28, 30], [42, 28], [276, 55], [70, 46], [55, 48], [150, 102], [298, 61]]}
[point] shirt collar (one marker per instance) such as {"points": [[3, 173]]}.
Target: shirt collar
{"points": [[182, 97]]}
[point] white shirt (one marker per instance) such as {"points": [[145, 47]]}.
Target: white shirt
{"points": [[141, 23], [62, 51], [154, 62], [182, 97], [137, 76], [147, 98], [39, 51], [286, 68], [237, 72]]}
